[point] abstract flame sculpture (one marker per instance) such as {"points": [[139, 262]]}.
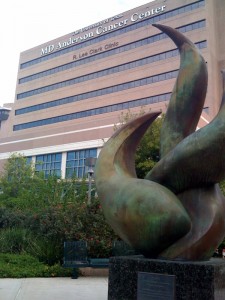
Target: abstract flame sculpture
{"points": [[177, 211]]}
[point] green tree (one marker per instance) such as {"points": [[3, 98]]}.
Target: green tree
{"points": [[147, 154], [222, 186], [148, 151], [22, 187], [17, 176]]}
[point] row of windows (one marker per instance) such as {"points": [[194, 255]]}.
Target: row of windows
{"points": [[75, 162], [51, 164], [100, 92], [95, 75], [128, 28], [104, 91], [149, 40], [49, 158], [113, 70], [97, 111]]}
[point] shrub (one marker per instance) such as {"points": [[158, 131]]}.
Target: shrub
{"points": [[37, 215], [45, 250], [42, 233], [21, 266], [10, 217], [14, 240]]}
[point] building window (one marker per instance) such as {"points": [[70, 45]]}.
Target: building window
{"points": [[49, 164], [29, 160], [75, 162]]}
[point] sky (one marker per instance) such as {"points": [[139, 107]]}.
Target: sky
{"points": [[25, 24]]}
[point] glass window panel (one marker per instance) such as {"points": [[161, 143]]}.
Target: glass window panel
{"points": [[162, 56], [155, 99], [28, 160], [143, 81], [80, 172], [70, 164], [39, 158], [168, 75], [58, 165], [87, 153], [155, 58], [168, 54], [38, 167], [131, 104], [69, 173], [58, 156], [57, 173], [161, 77], [142, 102], [137, 83], [149, 80], [81, 162], [155, 78], [82, 154], [109, 108], [181, 10]]}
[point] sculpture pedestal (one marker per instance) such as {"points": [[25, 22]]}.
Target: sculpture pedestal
{"points": [[193, 280]]}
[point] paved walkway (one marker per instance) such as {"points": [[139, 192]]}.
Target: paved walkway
{"points": [[83, 288]]}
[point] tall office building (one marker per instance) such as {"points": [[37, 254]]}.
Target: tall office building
{"points": [[71, 91]]}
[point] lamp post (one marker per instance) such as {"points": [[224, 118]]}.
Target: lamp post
{"points": [[90, 163]]}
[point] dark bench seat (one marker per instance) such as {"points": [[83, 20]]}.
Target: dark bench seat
{"points": [[76, 255], [99, 262]]}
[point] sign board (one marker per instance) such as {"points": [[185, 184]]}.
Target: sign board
{"points": [[155, 286]]}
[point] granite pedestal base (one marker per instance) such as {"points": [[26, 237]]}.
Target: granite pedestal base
{"points": [[193, 280]]}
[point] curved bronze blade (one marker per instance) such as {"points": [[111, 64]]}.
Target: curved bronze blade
{"points": [[197, 161], [188, 94], [206, 208], [144, 214]]}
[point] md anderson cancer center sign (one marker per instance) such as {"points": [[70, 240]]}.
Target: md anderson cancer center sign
{"points": [[101, 28]]}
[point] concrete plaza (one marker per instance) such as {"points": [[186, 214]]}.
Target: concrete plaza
{"points": [[83, 288]]}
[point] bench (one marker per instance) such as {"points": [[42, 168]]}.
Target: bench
{"points": [[120, 248], [76, 255]]}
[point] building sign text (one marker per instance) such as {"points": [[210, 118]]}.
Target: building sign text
{"points": [[101, 28]]}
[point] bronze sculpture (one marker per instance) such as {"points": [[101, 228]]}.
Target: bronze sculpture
{"points": [[177, 211]]}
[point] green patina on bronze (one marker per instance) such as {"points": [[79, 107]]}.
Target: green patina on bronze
{"points": [[196, 161], [205, 207], [188, 95], [140, 211], [177, 212]]}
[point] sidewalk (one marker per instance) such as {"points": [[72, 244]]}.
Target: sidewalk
{"points": [[83, 288]]}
